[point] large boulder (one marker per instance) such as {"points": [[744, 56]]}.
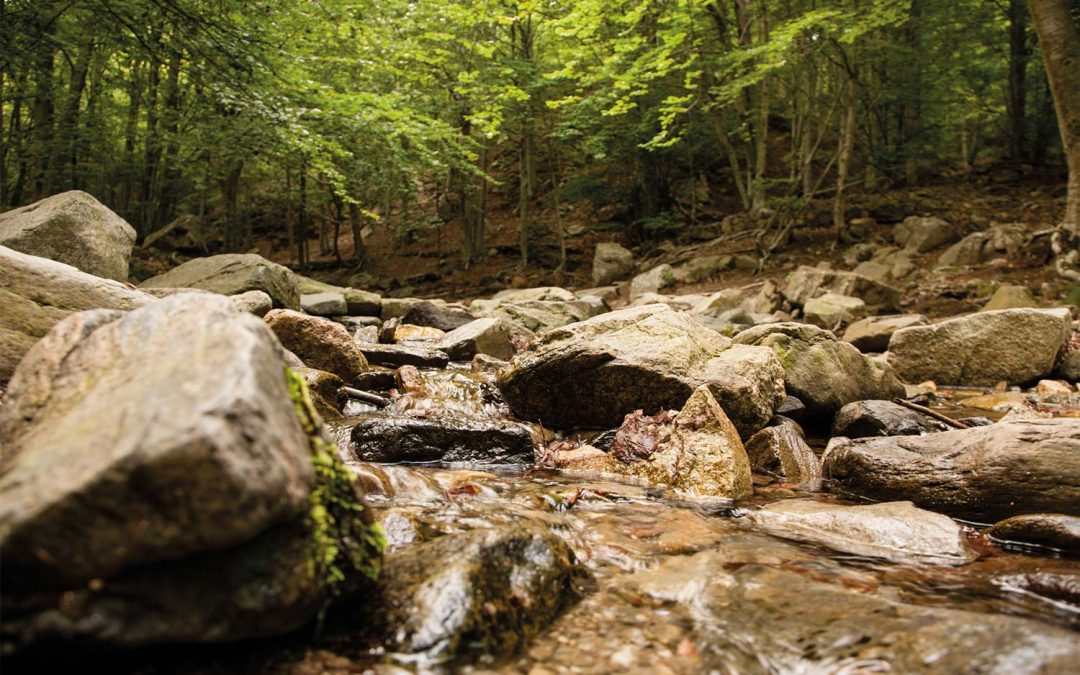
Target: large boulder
{"points": [[781, 450], [980, 247], [231, 274], [806, 283], [533, 315], [324, 304], [157, 478], [357, 302], [1011, 345], [320, 343], [831, 310], [824, 373], [883, 418], [922, 233], [74, 228], [873, 333], [480, 336], [593, 373], [36, 293], [991, 472], [611, 262], [652, 281]]}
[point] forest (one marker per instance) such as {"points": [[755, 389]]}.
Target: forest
{"points": [[301, 120]]}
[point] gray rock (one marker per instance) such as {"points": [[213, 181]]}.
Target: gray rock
{"points": [[73, 228], [611, 262], [921, 234], [533, 315], [863, 419], [232, 274], [402, 355], [324, 304], [36, 293], [357, 302], [609, 294], [872, 334], [985, 473], [719, 302], [781, 451], [897, 531], [653, 281], [830, 310], [979, 247], [444, 317], [542, 294], [1054, 530], [319, 342], [252, 302], [702, 268], [810, 282], [1014, 345], [481, 336], [1010, 297], [395, 308], [447, 437]]}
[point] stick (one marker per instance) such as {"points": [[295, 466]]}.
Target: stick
{"points": [[366, 397], [932, 413]]}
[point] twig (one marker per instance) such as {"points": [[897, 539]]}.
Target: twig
{"points": [[366, 397], [932, 413]]}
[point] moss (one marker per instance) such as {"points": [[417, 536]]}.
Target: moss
{"points": [[343, 538], [784, 353], [668, 278]]}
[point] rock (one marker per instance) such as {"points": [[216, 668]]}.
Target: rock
{"points": [[593, 373], [448, 437], [402, 355], [541, 294], [862, 419], [325, 391], [157, 478], [653, 281], [830, 310], [921, 234], [488, 590], [232, 274], [897, 531], [406, 333], [1006, 469], [355, 323], [1054, 391], [357, 302], [702, 268], [481, 336], [73, 228], [782, 451], [377, 379], [320, 343], [1010, 297], [677, 302], [872, 334], [1068, 366], [395, 308], [1011, 345], [1054, 530], [444, 317], [979, 247], [252, 302], [594, 305], [719, 302], [824, 373], [611, 262], [858, 253], [809, 282], [36, 293], [533, 315], [609, 294], [324, 304]]}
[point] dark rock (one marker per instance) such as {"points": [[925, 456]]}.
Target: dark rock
{"points": [[444, 317], [782, 451], [320, 343], [448, 438], [883, 418], [376, 379], [1054, 530], [325, 389], [402, 355]]}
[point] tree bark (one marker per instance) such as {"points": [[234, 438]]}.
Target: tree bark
{"points": [[1016, 102], [843, 162]]}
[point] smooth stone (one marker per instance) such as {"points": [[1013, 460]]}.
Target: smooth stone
{"points": [[252, 302], [324, 304], [872, 334], [402, 355], [781, 451], [481, 336], [449, 437], [863, 419], [232, 274], [1054, 530], [320, 343]]}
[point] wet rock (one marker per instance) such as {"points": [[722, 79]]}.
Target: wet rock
{"points": [[232, 274], [149, 458], [377, 378], [72, 228], [979, 247], [921, 234], [252, 302], [781, 451], [357, 302], [1055, 530], [595, 372], [653, 281], [824, 373], [1011, 345], [480, 336], [325, 390], [323, 304], [611, 262], [872, 334], [320, 343], [36, 293], [862, 419], [830, 310], [444, 317], [402, 355], [1010, 297], [897, 531], [810, 282], [447, 438], [488, 591], [1009, 468]]}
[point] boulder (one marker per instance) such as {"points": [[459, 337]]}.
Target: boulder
{"points": [[73, 228], [593, 373], [443, 437], [36, 293], [611, 262], [781, 451], [984, 473], [872, 334], [702, 268], [357, 302], [862, 419], [320, 343], [824, 373], [480, 336], [1011, 345], [608, 294], [533, 315], [232, 274], [921, 234], [653, 281], [1010, 297], [810, 282], [719, 302], [402, 355], [896, 531], [325, 391], [1053, 530], [980, 247], [542, 294], [681, 303], [252, 302], [324, 304], [444, 317], [830, 310]]}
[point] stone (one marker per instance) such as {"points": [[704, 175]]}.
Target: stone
{"points": [[320, 343], [541, 294], [781, 451], [702, 268], [872, 334], [653, 281], [480, 336], [979, 247], [824, 373], [1010, 297], [921, 233], [830, 310], [252, 302], [73, 228], [445, 437], [444, 317], [611, 262], [36, 293], [407, 333], [357, 302], [325, 391], [402, 355], [896, 531], [609, 294], [1068, 366], [982, 349], [1054, 391], [862, 419], [984, 473], [719, 302], [593, 373], [232, 274], [533, 315], [1053, 530], [395, 308], [680, 303], [810, 282], [875, 271], [324, 304]]}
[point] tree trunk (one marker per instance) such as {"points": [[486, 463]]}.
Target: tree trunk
{"points": [[42, 117], [1016, 102], [67, 127], [359, 251], [151, 149], [843, 162], [165, 188], [131, 131], [301, 221], [1059, 38], [230, 189]]}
